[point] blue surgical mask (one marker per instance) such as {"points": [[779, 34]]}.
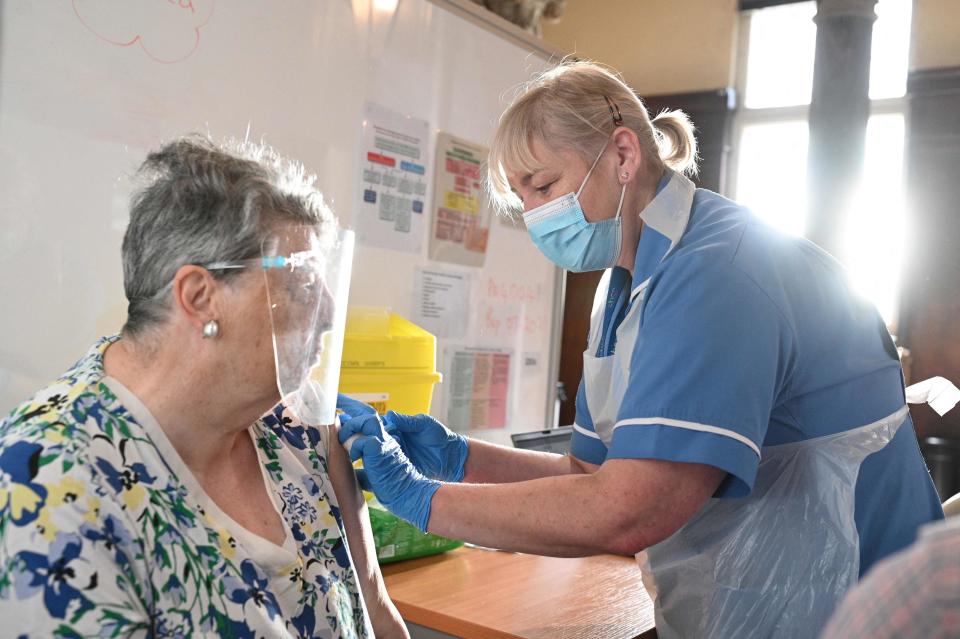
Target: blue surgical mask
{"points": [[562, 233]]}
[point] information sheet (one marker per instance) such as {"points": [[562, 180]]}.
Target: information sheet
{"points": [[461, 220], [441, 300], [393, 180], [478, 386]]}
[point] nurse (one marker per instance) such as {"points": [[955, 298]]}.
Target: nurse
{"points": [[741, 425]]}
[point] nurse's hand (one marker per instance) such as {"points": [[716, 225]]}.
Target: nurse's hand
{"points": [[434, 449], [353, 407], [400, 487]]}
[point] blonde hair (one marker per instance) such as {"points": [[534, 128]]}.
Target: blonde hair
{"points": [[576, 106]]}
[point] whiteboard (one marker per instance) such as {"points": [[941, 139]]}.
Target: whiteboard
{"points": [[87, 87]]}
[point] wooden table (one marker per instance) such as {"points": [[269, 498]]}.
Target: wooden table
{"points": [[486, 594]]}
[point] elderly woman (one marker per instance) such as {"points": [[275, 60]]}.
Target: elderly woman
{"points": [[741, 423], [158, 487]]}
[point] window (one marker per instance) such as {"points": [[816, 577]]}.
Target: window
{"points": [[775, 81]]}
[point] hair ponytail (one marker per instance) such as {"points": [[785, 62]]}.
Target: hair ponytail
{"points": [[676, 142]]}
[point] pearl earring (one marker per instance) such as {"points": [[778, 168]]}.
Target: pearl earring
{"points": [[211, 329]]}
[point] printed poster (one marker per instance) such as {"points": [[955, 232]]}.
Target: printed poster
{"points": [[393, 180], [461, 220], [477, 387], [441, 301]]}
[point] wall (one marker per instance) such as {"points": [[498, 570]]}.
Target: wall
{"points": [[936, 34], [660, 47], [699, 52]]}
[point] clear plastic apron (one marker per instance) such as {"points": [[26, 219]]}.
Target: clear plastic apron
{"points": [[773, 564]]}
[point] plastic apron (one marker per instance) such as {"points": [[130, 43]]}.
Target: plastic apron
{"points": [[773, 564]]}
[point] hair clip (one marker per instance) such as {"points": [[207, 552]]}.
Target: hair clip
{"points": [[614, 111]]}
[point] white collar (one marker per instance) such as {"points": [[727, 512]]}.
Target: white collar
{"points": [[669, 211]]}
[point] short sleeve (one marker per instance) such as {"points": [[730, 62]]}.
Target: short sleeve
{"points": [[585, 444], [706, 368]]}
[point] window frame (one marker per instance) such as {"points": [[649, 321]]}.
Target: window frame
{"points": [[744, 117]]}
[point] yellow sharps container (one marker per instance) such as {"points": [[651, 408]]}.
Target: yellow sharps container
{"points": [[388, 361], [391, 364]]}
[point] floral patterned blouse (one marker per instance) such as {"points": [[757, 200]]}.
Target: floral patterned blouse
{"points": [[101, 537]]}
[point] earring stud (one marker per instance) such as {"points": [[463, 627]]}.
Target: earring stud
{"points": [[625, 175], [211, 329]]}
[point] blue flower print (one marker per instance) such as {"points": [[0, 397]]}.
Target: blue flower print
{"points": [[339, 550], [295, 506], [114, 536], [215, 623], [312, 487], [129, 476], [175, 589], [54, 574], [254, 587], [174, 624], [284, 427], [305, 622], [19, 465]]}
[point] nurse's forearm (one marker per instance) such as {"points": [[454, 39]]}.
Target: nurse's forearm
{"points": [[625, 507], [492, 464]]}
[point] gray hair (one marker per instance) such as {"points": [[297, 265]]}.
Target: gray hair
{"points": [[201, 203]]}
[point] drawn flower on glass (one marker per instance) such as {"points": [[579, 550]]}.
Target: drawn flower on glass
{"points": [[58, 574]]}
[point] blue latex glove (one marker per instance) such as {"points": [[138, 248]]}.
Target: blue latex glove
{"points": [[353, 407], [434, 449], [392, 478]]}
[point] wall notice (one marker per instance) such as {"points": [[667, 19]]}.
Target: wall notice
{"points": [[461, 220], [440, 301], [393, 180], [477, 385]]}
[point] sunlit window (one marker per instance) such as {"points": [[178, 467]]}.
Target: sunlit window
{"points": [[890, 53], [780, 61], [770, 153], [772, 175], [876, 225]]}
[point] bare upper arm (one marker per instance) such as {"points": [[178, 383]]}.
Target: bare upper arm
{"points": [[356, 521]]}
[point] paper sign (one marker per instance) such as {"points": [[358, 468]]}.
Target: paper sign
{"points": [[461, 220], [477, 388], [440, 302], [393, 180]]}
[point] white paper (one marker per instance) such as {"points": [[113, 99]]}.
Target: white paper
{"points": [[939, 392], [441, 300], [393, 180], [477, 387], [461, 215]]}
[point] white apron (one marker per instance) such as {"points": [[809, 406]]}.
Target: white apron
{"points": [[773, 564]]}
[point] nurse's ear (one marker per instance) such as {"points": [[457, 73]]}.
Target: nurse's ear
{"points": [[629, 154]]}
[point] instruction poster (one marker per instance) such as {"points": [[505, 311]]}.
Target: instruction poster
{"points": [[441, 301], [393, 180], [478, 384], [461, 220]]}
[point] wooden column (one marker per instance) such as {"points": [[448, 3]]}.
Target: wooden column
{"points": [[839, 109], [930, 302]]}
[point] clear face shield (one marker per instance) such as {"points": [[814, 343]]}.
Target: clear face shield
{"points": [[308, 280]]}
